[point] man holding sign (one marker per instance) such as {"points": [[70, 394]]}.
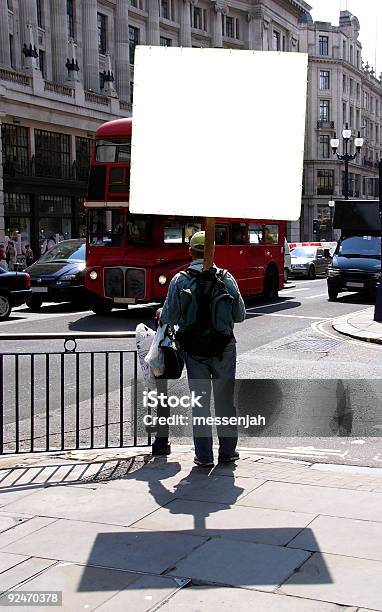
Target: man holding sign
{"points": [[205, 305]]}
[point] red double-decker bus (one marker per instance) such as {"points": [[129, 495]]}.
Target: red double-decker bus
{"points": [[130, 258]]}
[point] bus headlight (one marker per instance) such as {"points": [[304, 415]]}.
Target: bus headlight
{"points": [[162, 279], [93, 275]]}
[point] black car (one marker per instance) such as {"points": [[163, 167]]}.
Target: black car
{"points": [[14, 291], [58, 276], [355, 265]]}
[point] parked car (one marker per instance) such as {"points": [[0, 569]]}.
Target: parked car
{"points": [[58, 276], [14, 291], [308, 261], [287, 261]]}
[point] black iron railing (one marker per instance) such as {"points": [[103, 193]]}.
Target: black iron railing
{"points": [[45, 169], [67, 398]]}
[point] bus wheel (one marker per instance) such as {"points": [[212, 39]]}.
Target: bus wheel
{"points": [[101, 307], [271, 285]]}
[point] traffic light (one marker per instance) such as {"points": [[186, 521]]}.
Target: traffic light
{"points": [[316, 228]]}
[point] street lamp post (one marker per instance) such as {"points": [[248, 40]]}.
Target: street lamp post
{"points": [[331, 206], [346, 156], [378, 297]]}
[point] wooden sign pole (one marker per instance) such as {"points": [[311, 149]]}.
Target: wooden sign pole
{"points": [[209, 245]]}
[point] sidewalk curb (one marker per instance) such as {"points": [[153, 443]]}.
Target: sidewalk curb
{"points": [[342, 326]]}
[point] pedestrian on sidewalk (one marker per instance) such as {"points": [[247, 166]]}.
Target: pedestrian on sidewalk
{"points": [[3, 258], [11, 255], [206, 305]]}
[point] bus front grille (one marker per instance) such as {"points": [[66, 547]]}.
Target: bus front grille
{"points": [[125, 282], [135, 283], [114, 282]]}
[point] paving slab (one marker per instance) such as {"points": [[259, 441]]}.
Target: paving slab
{"points": [[10, 495], [349, 537], [7, 521], [364, 505], [83, 588], [107, 545], [228, 522], [226, 599], [142, 595], [23, 529], [100, 504], [8, 560], [244, 564], [23, 571], [354, 582]]}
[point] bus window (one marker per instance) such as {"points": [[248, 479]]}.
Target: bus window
{"points": [[105, 227], [238, 231], [111, 152], [221, 233], [138, 230], [271, 234], [119, 180], [255, 233], [179, 233]]}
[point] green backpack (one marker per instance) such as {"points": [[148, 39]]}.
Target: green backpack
{"points": [[207, 319]]}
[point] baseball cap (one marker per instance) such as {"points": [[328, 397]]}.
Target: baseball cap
{"points": [[197, 241]]}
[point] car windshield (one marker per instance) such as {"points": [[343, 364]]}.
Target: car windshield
{"points": [[303, 252], [70, 250], [361, 246]]}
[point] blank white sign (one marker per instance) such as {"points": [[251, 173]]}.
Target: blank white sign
{"points": [[218, 132]]}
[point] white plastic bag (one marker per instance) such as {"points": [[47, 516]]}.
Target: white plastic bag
{"points": [[155, 357], [144, 338]]}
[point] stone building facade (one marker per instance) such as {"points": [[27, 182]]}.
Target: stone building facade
{"points": [[66, 66], [341, 89]]}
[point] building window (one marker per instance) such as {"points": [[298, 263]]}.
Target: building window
{"points": [[165, 9], [357, 185], [351, 117], [165, 42], [344, 82], [276, 41], [101, 80], [358, 56], [344, 112], [324, 79], [70, 18], [131, 91], [102, 33], [325, 182], [133, 42], [134, 3], [358, 117], [83, 153], [324, 110], [325, 146], [39, 14], [52, 154], [351, 87], [12, 50], [198, 18], [351, 54], [237, 29], [344, 50], [324, 45], [15, 141], [42, 62]]}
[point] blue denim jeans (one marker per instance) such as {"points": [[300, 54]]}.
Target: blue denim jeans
{"points": [[218, 373]]}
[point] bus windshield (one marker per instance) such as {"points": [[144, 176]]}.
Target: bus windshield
{"points": [[105, 227], [113, 151]]}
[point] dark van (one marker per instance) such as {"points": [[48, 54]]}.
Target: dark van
{"points": [[356, 262]]}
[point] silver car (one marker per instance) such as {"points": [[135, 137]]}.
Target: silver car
{"points": [[308, 261]]}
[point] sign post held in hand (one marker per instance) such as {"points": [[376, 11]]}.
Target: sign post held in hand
{"points": [[209, 244]]}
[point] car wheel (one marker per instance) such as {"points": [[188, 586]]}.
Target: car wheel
{"points": [[311, 272], [286, 275], [271, 285], [101, 307], [333, 295], [34, 304], [5, 307]]}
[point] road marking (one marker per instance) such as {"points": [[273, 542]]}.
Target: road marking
{"points": [[310, 297], [308, 451], [275, 314], [317, 327], [287, 291], [42, 317]]}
